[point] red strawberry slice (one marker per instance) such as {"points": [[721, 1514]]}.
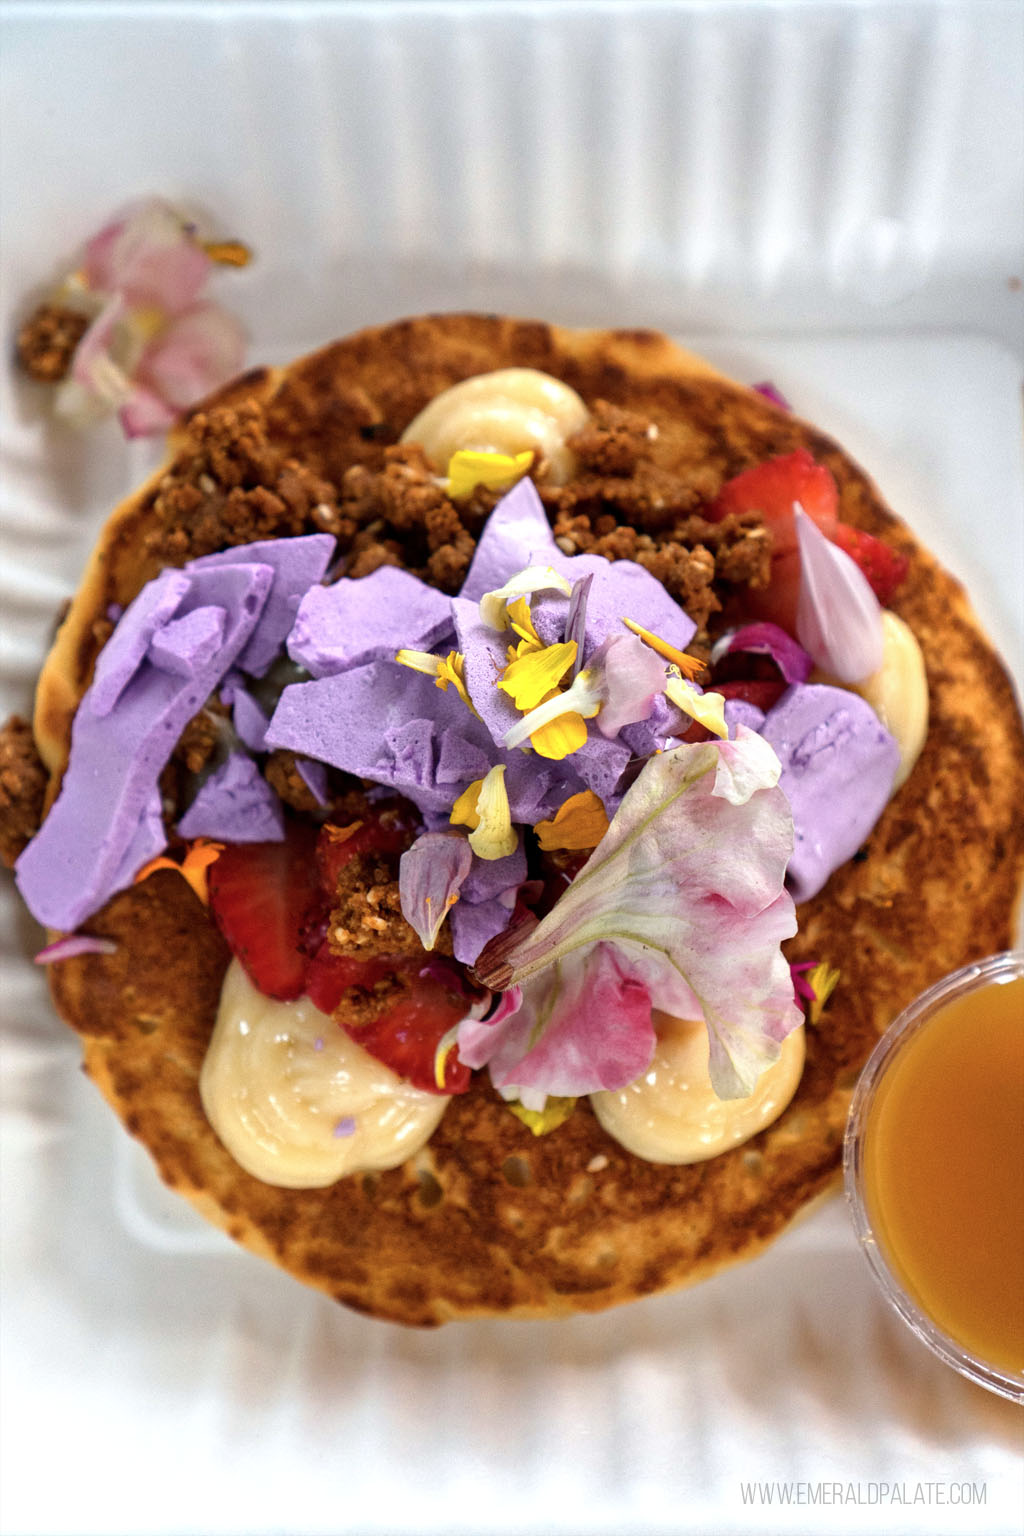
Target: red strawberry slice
{"points": [[764, 692], [405, 1037], [384, 832], [884, 567], [771, 489], [259, 893], [329, 975]]}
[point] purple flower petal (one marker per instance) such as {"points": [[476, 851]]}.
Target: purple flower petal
{"points": [[74, 944], [769, 640], [430, 876], [769, 391]]}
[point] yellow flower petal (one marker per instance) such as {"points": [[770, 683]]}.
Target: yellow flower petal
{"points": [[555, 1112], [420, 661], [689, 666], [464, 811], [494, 836], [822, 982], [530, 678], [445, 1046], [453, 670], [521, 620], [580, 822], [708, 709], [496, 471], [560, 737], [536, 578]]}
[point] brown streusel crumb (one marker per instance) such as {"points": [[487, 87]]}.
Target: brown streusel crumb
{"points": [[47, 341], [23, 781]]}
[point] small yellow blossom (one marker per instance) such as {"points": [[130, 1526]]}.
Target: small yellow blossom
{"points": [[579, 823], [484, 808], [194, 866], [689, 666], [445, 670], [555, 1113], [521, 622], [536, 578], [708, 709], [822, 982], [531, 677], [495, 471], [445, 1046]]}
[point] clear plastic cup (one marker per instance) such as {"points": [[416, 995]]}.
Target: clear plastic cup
{"points": [[907, 1028]]}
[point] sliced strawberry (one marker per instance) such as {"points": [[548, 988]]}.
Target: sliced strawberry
{"points": [[329, 975], [386, 831], [763, 692], [259, 893], [777, 602], [406, 1036], [771, 489], [883, 566]]}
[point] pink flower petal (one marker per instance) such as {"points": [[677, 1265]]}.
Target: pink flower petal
{"points": [[93, 366], [838, 618], [687, 888], [633, 676], [769, 640], [151, 257], [196, 353], [73, 944], [558, 1011], [144, 414]]}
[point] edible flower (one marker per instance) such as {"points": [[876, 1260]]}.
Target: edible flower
{"points": [[484, 808], [579, 823], [495, 471], [535, 578], [531, 677], [822, 983], [445, 670], [681, 907], [430, 875], [576, 618], [556, 1112], [839, 619], [199, 855], [689, 666], [708, 709], [72, 945], [768, 639], [619, 686], [152, 348]]}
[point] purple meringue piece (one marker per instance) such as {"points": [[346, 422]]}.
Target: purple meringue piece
{"points": [[621, 590], [659, 732], [82, 853], [838, 766], [125, 651], [742, 712], [475, 924], [297, 564], [249, 720], [235, 805], [183, 646], [485, 653], [148, 840], [354, 622], [516, 535], [489, 878], [314, 776]]}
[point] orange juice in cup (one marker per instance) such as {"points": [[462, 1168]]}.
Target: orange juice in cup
{"points": [[934, 1160]]}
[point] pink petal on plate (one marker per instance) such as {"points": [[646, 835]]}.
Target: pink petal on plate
{"points": [[838, 617], [144, 414], [73, 944], [196, 353], [151, 257], [767, 639], [93, 366]]}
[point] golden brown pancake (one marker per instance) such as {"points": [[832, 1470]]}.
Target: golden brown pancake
{"points": [[490, 1219]]}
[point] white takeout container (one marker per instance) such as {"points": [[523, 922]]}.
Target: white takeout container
{"points": [[827, 195]]}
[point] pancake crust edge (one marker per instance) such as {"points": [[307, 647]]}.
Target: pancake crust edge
{"points": [[489, 1219]]}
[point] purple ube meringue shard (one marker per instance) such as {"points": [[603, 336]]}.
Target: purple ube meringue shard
{"points": [[235, 805], [296, 565], [838, 765], [105, 822], [184, 646], [354, 622], [126, 649]]}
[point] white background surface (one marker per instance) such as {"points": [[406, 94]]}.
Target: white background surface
{"points": [[825, 194]]}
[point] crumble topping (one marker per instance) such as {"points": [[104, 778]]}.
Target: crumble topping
{"points": [[23, 781], [46, 342]]}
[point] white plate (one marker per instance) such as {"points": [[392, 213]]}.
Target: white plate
{"points": [[597, 165]]}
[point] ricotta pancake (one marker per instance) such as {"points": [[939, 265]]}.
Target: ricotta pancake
{"points": [[488, 1218]]}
